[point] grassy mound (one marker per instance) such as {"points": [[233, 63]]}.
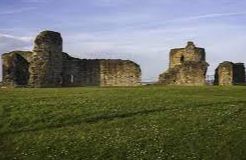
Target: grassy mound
{"points": [[123, 123]]}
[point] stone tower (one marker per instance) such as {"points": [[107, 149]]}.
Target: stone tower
{"points": [[228, 73], [187, 66], [47, 61]]}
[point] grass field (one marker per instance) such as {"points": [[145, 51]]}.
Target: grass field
{"points": [[148, 123]]}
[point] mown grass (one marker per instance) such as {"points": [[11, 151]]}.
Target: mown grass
{"points": [[147, 123]]}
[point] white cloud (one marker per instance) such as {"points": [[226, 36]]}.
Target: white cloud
{"points": [[16, 11], [23, 38], [206, 16], [9, 43], [35, 1], [155, 24], [111, 3]]}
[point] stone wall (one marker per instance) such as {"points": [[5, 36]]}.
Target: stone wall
{"points": [[187, 66], [228, 73], [48, 66], [80, 72], [239, 75], [15, 68], [100, 72], [119, 73], [189, 73]]}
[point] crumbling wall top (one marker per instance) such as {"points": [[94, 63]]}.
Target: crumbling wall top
{"points": [[226, 64], [189, 53], [48, 41], [190, 45], [25, 54]]}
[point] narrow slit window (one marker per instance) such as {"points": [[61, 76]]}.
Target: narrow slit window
{"points": [[72, 78], [182, 59]]}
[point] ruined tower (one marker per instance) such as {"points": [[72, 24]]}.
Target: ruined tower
{"points": [[228, 73], [187, 66], [46, 62], [48, 66]]}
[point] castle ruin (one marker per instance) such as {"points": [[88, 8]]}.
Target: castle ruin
{"points": [[187, 66], [228, 73], [48, 66]]}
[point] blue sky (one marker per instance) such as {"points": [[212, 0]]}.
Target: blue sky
{"points": [[140, 30]]}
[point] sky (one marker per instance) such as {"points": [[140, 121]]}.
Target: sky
{"points": [[140, 30]]}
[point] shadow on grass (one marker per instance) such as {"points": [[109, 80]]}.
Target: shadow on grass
{"points": [[112, 116]]}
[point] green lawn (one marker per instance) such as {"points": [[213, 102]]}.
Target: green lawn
{"points": [[148, 123]]}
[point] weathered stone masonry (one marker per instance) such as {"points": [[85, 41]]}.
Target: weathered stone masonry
{"points": [[187, 66], [228, 73], [15, 68], [48, 66]]}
